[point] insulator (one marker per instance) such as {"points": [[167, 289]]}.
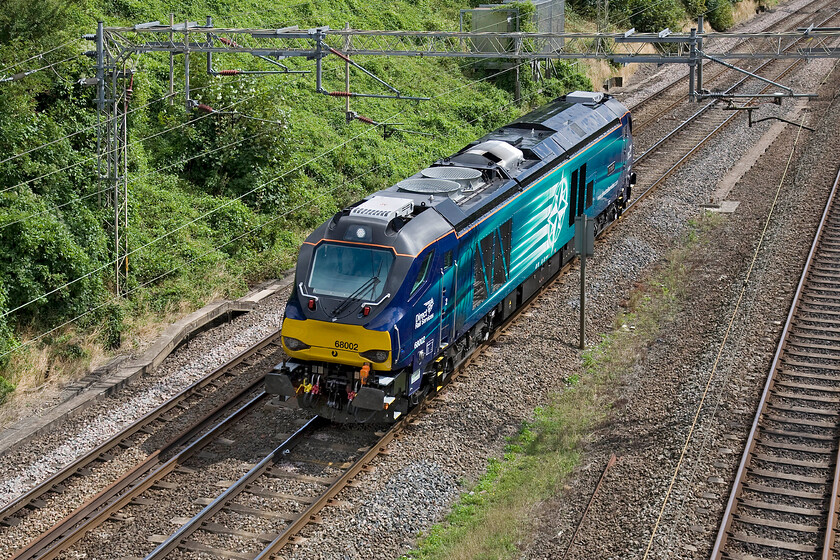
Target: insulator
{"points": [[228, 42], [339, 93], [228, 72], [340, 55], [365, 119], [205, 108]]}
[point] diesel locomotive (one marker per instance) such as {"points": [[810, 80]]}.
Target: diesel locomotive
{"points": [[393, 292]]}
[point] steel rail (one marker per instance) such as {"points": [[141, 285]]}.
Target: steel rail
{"points": [[77, 466], [58, 540], [188, 528], [308, 514], [113, 490], [762, 405]]}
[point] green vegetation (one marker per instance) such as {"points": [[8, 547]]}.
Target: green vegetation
{"points": [[656, 15], [216, 201], [493, 519]]}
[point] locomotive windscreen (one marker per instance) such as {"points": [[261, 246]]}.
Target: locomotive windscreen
{"points": [[350, 271]]}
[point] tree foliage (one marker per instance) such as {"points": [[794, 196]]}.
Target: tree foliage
{"points": [[215, 199], [720, 14]]}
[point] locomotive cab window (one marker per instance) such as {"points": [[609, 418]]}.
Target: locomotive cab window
{"points": [[447, 260], [422, 273], [349, 271]]}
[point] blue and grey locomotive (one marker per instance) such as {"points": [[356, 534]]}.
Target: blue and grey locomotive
{"points": [[393, 292]]}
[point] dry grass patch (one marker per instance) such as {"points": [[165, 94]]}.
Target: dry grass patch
{"points": [[494, 519]]}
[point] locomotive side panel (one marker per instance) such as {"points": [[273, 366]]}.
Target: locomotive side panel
{"points": [[536, 224]]}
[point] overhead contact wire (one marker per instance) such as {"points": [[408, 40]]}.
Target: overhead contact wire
{"points": [[132, 143], [133, 180], [722, 345], [20, 75], [111, 263], [39, 55]]}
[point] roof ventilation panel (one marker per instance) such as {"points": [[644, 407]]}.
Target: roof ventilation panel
{"points": [[506, 156], [383, 208], [469, 179], [427, 186], [585, 97]]}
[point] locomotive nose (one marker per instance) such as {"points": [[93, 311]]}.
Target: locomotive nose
{"points": [[335, 342]]}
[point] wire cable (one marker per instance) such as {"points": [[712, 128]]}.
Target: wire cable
{"points": [[135, 179], [21, 75], [128, 145], [722, 345], [39, 55], [105, 122], [109, 120]]}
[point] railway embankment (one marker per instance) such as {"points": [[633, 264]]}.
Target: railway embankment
{"points": [[654, 403]]}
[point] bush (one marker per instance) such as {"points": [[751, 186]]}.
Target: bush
{"points": [[5, 388], [647, 15], [289, 148], [695, 7], [652, 15], [720, 14]]}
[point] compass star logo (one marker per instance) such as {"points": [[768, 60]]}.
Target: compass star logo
{"points": [[559, 205]]}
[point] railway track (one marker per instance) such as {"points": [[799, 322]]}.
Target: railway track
{"points": [[279, 487], [170, 426], [254, 516], [671, 101], [784, 502], [187, 538], [673, 149], [128, 489]]}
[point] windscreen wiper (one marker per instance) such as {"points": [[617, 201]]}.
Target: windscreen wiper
{"points": [[356, 295]]}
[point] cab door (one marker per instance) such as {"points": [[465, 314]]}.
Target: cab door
{"points": [[448, 287], [425, 304]]}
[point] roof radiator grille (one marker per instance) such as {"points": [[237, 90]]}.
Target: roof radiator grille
{"points": [[383, 208]]}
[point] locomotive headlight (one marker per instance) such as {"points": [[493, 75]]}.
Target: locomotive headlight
{"points": [[358, 233], [294, 344], [377, 356]]}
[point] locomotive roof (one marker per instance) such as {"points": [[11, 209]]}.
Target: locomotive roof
{"points": [[488, 170]]}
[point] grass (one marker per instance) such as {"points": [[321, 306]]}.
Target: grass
{"points": [[494, 520], [196, 264]]}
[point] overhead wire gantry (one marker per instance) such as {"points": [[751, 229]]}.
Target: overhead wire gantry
{"points": [[116, 46]]}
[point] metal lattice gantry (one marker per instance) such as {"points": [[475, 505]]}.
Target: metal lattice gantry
{"points": [[117, 46], [112, 151], [316, 43]]}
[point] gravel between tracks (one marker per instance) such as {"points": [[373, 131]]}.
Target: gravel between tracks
{"points": [[661, 394], [413, 486], [25, 466]]}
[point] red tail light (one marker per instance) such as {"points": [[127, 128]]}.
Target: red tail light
{"points": [[311, 305], [366, 310]]}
